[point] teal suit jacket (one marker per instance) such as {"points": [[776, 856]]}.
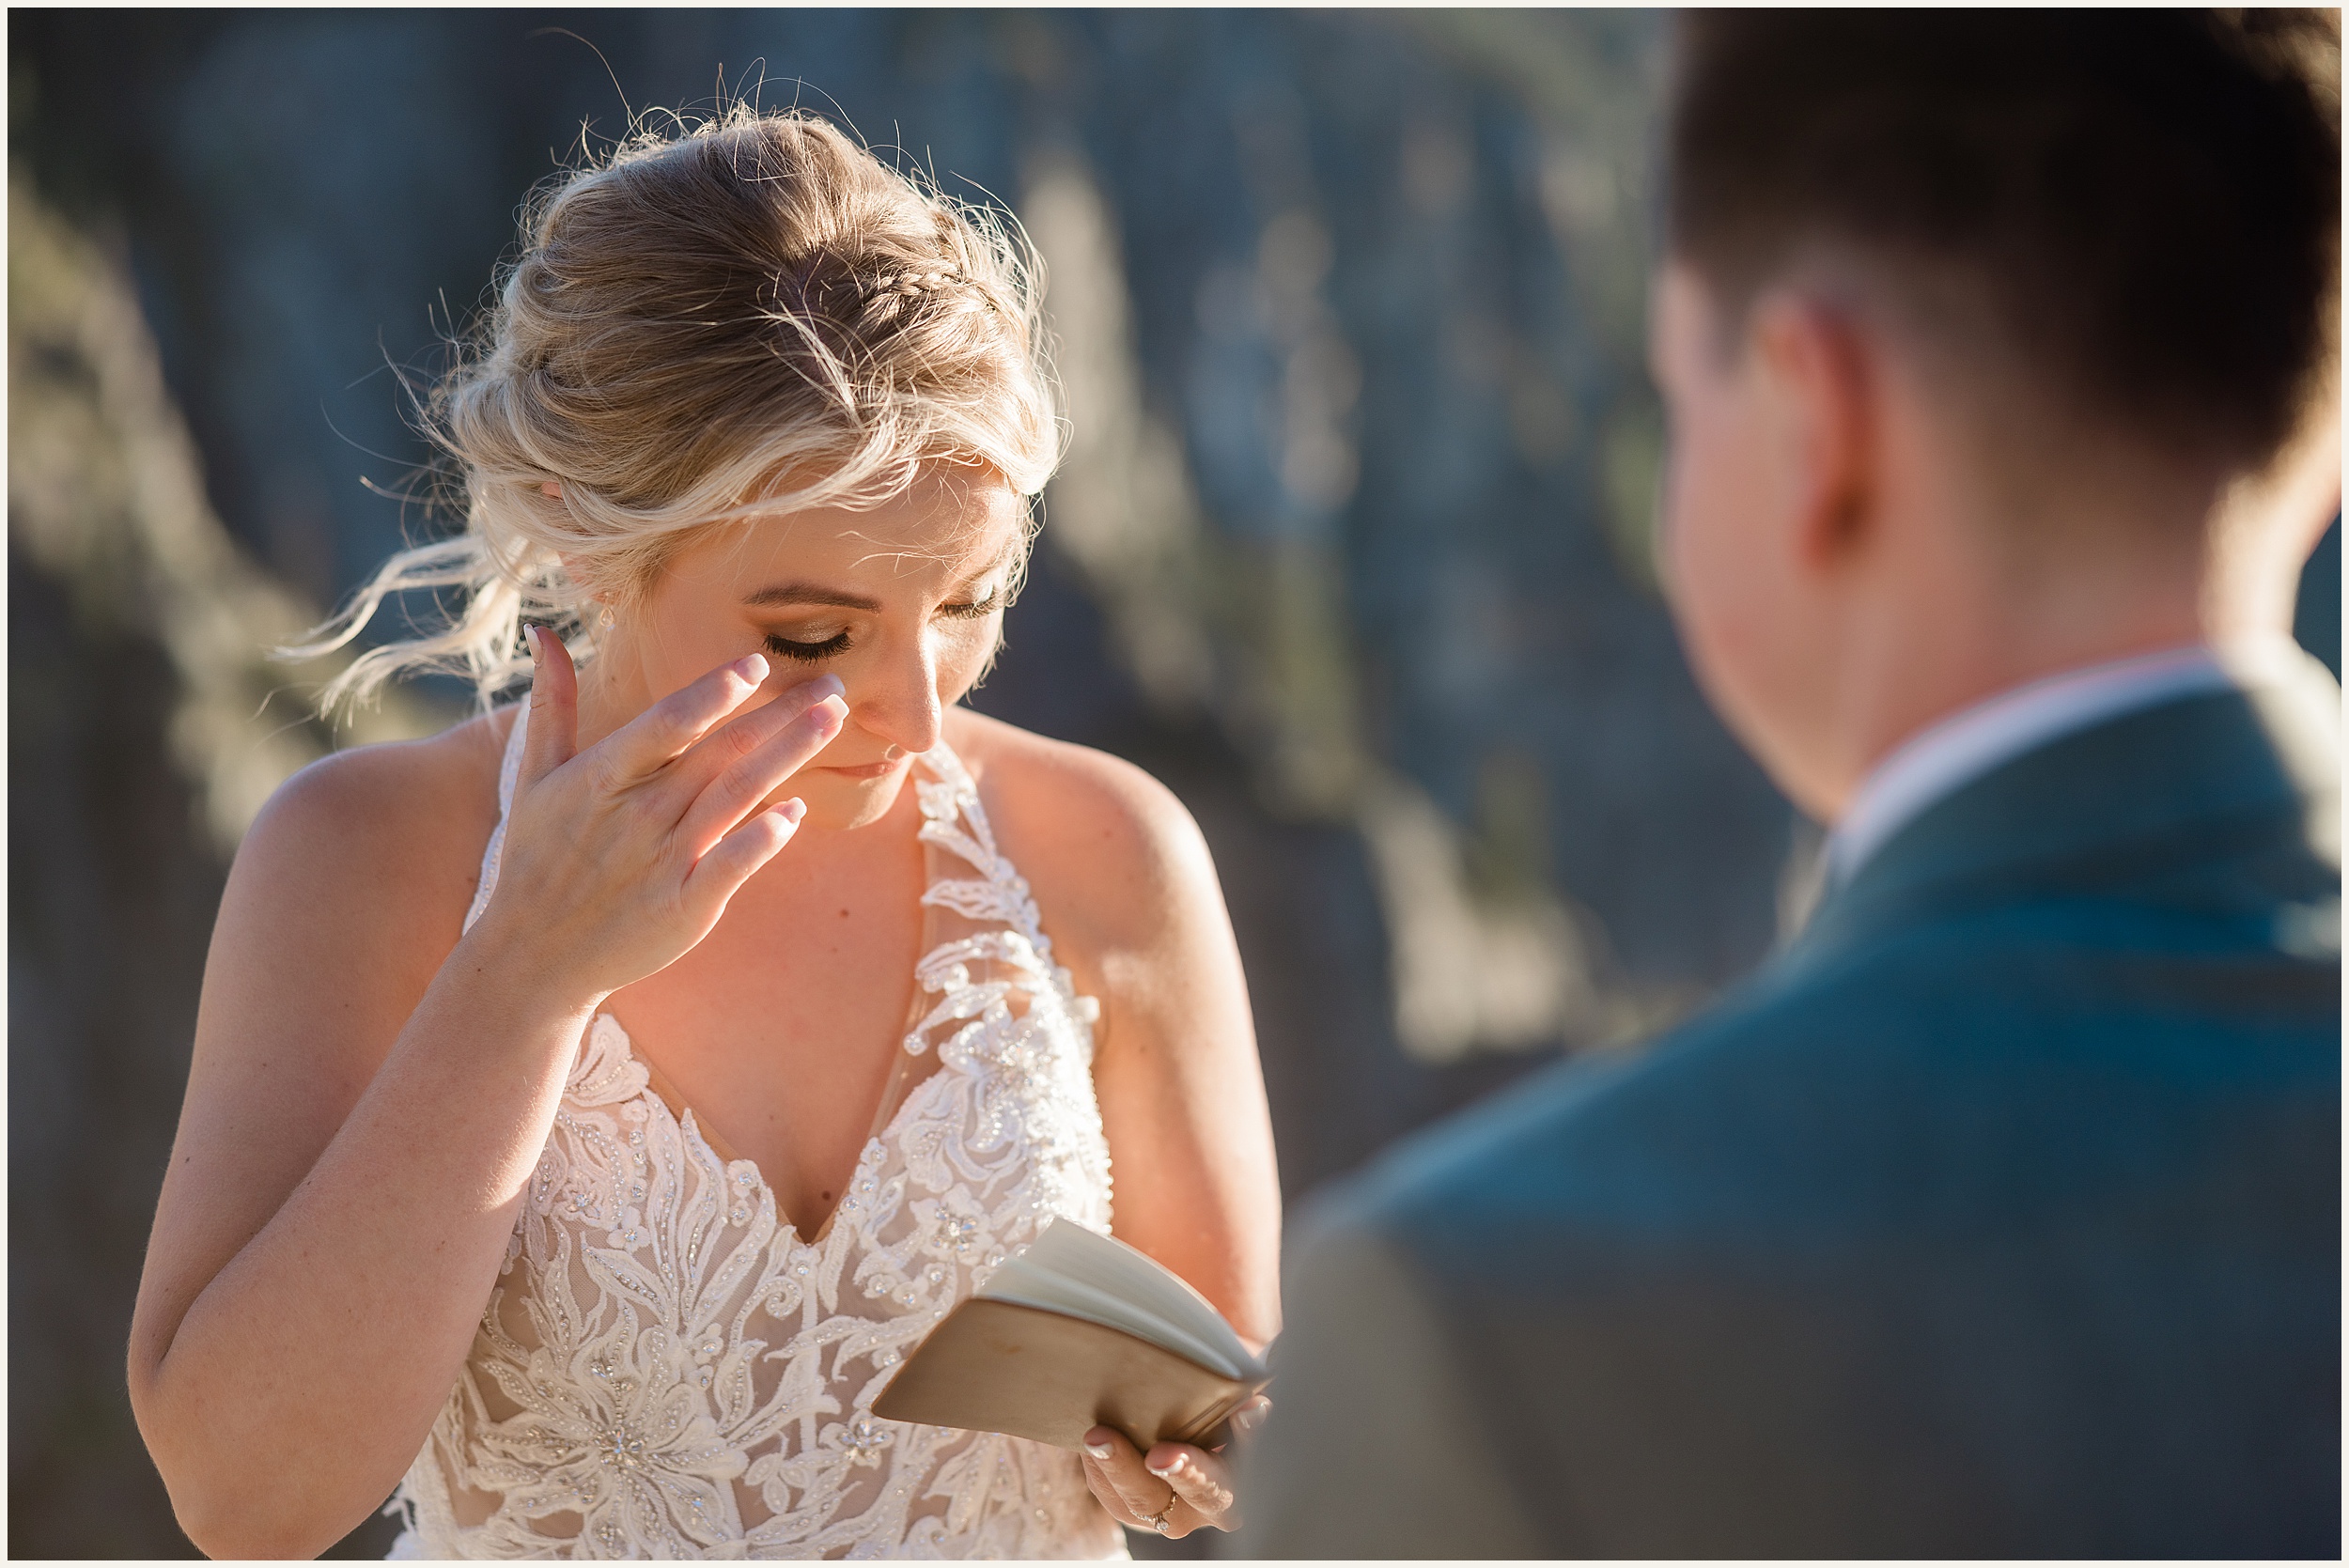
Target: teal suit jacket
{"points": [[2000, 1216]]}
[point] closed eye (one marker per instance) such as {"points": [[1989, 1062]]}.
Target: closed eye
{"points": [[976, 609], [808, 653]]}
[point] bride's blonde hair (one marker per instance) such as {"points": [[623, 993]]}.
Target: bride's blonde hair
{"points": [[747, 314]]}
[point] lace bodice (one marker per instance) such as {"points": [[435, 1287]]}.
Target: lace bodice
{"points": [[667, 1369]]}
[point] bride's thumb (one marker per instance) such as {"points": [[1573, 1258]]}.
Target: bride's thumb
{"points": [[553, 706]]}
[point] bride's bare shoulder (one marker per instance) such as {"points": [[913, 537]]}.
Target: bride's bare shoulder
{"points": [[1108, 851], [404, 820]]}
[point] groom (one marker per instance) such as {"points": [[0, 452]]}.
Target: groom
{"points": [[1999, 1216]]}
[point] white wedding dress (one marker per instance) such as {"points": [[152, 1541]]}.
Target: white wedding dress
{"points": [[667, 1369]]}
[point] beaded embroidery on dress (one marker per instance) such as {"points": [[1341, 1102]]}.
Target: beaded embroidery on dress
{"points": [[666, 1369]]}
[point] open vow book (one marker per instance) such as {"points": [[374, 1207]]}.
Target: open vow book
{"points": [[1077, 1331]]}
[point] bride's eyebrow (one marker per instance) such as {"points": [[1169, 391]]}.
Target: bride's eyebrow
{"points": [[972, 579], [783, 595]]}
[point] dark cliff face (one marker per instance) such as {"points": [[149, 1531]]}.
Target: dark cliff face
{"points": [[114, 873], [145, 726], [110, 903], [1351, 547]]}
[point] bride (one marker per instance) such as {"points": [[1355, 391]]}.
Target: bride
{"points": [[592, 1104]]}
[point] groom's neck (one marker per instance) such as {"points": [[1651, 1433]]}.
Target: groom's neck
{"points": [[1913, 658], [2105, 567]]}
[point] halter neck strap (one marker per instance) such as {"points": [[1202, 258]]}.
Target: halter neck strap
{"points": [[510, 772]]}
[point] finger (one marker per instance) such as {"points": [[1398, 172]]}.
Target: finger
{"points": [[1249, 1417], [665, 730], [1121, 1501], [735, 859], [553, 706], [737, 791], [1198, 1478], [1120, 1465], [1106, 1493], [738, 737]]}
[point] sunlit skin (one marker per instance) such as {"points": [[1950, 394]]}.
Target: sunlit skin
{"points": [[1858, 539], [370, 1090], [912, 595], [911, 598]]}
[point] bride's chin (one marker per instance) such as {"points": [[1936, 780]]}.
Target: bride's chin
{"points": [[836, 804]]}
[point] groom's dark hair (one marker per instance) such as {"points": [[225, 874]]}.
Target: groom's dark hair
{"points": [[2147, 204]]}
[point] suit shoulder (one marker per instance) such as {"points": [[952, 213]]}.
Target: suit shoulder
{"points": [[1870, 1090], [1583, 1115]]}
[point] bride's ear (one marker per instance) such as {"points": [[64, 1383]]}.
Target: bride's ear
{"points": [[595, 609]]}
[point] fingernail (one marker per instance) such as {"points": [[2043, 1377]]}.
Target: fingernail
{"points": [[827, 685], [1166, 1469], [751, 667], [1099, 1451], [793, 810], [531, 635], [1248, 1420]]}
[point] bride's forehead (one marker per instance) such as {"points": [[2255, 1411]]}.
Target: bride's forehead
{"points": [[919, 534]]}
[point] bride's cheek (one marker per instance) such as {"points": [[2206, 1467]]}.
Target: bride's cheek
{"points": [[963, 657]]}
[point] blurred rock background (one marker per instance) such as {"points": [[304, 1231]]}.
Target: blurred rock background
{"points": [[1352, 547]]}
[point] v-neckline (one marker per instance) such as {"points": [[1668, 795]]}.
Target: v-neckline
{"points": [[663, 1091], [946, 768]]}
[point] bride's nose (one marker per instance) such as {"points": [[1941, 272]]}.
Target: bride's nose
{"points": [[897, 701]]}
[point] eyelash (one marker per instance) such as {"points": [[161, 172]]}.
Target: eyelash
{"points": [[808, 653], [837, 643]]}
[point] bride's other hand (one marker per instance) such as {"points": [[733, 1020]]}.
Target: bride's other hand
{"points": [[620, 859], [1173, 1489]]}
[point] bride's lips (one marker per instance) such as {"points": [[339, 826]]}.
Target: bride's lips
{"points": [[869, 770]]}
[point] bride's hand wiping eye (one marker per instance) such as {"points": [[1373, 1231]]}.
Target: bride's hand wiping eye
{"points": [[620, 859]]}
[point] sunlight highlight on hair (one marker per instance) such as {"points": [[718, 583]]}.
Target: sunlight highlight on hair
{"points": [[716, 322]]}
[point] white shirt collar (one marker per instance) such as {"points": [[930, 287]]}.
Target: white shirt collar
{"points": [[1955, 750]]}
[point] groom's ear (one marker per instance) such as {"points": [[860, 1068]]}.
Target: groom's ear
{"points": [[1819, 380]]}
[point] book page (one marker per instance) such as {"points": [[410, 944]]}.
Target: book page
{"points": [[1082, 1274]]}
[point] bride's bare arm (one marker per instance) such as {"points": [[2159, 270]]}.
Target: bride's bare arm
{"points": [[301, 1318], [1132, 902], [365, 1101]]}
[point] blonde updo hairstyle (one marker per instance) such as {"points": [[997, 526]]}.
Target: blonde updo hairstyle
{"points": [[749, 315]]}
